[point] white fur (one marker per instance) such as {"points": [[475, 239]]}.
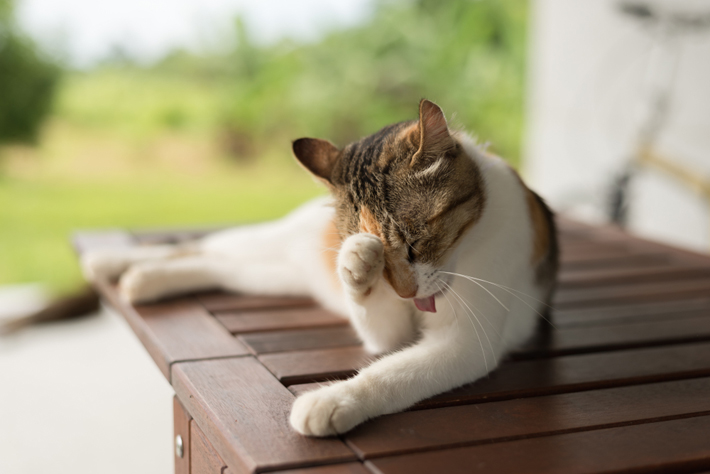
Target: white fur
{"points": [[475, 325]]}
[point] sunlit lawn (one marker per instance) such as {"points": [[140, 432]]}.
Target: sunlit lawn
{"points": [[90, 173]]}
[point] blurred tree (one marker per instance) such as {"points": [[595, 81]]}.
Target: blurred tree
{"points": [[27, 82]]}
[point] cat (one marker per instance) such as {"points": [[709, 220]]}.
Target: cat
{"points": [[435, 250]]}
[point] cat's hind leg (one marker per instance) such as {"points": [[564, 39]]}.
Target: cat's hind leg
{"points": [[110, 263], [154, 280]]}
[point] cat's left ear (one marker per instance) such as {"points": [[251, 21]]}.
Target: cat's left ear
{"points": [[317, 156], [433, 137]]}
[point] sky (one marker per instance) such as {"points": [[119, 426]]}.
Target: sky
{"points": [[85, 31]]}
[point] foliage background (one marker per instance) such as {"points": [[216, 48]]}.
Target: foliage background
{"points": [[205, 139]]}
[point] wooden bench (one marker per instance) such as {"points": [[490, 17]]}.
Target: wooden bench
{"points": [[621, 384]]}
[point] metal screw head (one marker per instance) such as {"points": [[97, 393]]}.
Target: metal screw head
{"points": [[179, 448]]}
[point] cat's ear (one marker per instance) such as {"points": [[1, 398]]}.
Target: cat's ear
{"points": [[317, 156], [433, 137]]}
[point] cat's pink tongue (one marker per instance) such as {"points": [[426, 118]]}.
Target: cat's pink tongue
{"points": [[426, 304]]}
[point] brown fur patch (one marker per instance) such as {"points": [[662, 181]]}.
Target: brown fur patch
{"points": [[368, 223], [331, 247], [399, 274], [541, 231]]}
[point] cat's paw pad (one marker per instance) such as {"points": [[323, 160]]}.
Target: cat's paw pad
{"points": [[361, 261], [142, 283], [326, 411], [103, 264]]}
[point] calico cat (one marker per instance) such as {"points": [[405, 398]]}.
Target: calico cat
{"points": [[436, 250]]}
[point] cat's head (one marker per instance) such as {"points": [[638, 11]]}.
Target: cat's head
{"points": [[411, 184]]}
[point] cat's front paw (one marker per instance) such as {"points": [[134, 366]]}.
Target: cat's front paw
{"points": [[142, 283], [326, 411], [361, 262]]}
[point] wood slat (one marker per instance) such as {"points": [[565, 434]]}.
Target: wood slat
{"points": [[625, 275], [566, 374], [523, 418], [580, 340], [204, 458], [176, 330], [315, 365], [347, 468], [583, 263], [243, 411], [637, 448], [87, 240], [218, 301], [632, 293], [240, 322], [632, 313], [181, 427], [300, 339]]}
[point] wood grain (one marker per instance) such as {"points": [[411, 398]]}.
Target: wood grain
{"points": [[633, 313], [523, 418], [243, 411], [240, 322], [347, 468], [204, 458], [669, 446], [632, 293], [638, 274], [219, 301], [181, 426], [315, 365], [301, 339], [177, 330]]}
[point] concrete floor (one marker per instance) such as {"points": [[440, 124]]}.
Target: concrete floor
{"points": [[80, 397]]}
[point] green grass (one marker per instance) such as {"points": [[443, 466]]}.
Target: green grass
{"points": [[39, 216]]}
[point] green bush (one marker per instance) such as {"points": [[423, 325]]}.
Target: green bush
{"points": [[27, 82]]}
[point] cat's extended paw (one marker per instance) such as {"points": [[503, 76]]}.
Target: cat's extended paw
{"points": [[361, 261], [326, 411], [142, 283], [103, 264]]}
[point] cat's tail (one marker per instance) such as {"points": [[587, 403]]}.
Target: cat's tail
{"points": [[75, 305]]}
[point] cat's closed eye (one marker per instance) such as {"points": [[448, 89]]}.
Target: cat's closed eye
{"points": [[411, 252]]}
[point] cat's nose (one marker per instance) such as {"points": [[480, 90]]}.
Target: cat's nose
{"points": [[410, 293]]}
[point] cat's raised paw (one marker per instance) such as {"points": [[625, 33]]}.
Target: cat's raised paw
{"points": [[326, 411], [361, 261]]}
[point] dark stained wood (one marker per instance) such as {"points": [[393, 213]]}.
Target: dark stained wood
{"points": [[584, 263], [639, 274], [240, 322], [347, 468], [301, 339], [576, 373], [315, 365], [582, 340], [177, 330], [669, 446], [514, 419], [632, 313], [218, 301], [181, 426], [632, 293], [204, 458], [243, 411]]}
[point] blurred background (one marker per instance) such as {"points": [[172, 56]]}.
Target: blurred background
{"points": [[181, 113]]}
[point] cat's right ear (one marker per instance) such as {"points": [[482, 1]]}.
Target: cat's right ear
{"points": [[317, 156]]}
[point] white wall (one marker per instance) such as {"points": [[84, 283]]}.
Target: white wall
{"points": [[586, 89]]}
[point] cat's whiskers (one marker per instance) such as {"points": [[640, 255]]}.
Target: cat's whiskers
{"points": [[462, 301], [480, 342], [508, 290], [483, 287], [500, 338]]}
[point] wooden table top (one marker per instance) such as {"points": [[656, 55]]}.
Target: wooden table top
{"points": [[621, 384]]}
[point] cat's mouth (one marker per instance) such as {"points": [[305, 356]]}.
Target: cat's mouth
{"points": [[427, 304]]}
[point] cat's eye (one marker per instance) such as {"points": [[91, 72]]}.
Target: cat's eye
{"points": [[411, 253]]}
